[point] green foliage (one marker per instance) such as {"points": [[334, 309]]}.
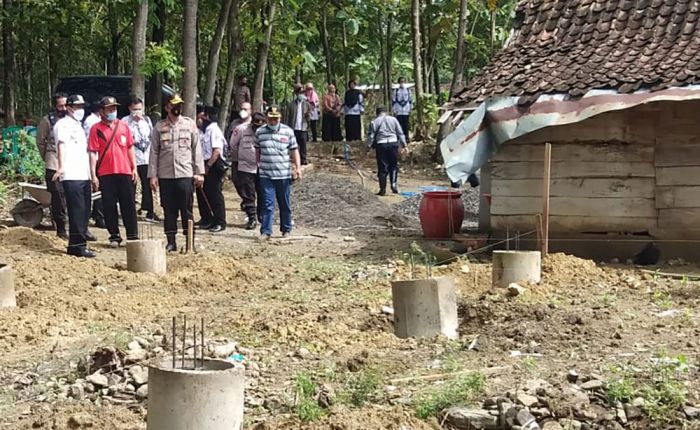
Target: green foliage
{"points": [[307, 408], [608, 299], [362, 388], [28, 166], [620, 385], [161, 58], [3, 193], [662, 299], [462, 390]]}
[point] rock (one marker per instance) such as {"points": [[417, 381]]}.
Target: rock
{"points": [[90, 387], [621, 416], [572, 376], [533, 385], [526, 399], [25, 380], [348, 239], [691, 412], [136, 355], [515, 290], [552, 425], [81, 420], [465, 418], [142, 342], [77, 391], [526, 420], [142, 392], [592, 385], [464, 268], [326, 396], [569, 424], [632, 412], [302, 353], [223, 351], [98, 380], [638, 402], [139, 375], [134, 346]]}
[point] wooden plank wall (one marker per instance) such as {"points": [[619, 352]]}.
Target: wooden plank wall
{"points": [[677, 164], [603, 176]]}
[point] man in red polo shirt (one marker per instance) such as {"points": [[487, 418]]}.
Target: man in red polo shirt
{"points": [[113, 168]]}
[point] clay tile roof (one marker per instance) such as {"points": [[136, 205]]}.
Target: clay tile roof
{"points": [[573, 46]]}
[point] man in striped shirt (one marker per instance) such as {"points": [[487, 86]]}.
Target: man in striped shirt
{"points": [[276, 149]]}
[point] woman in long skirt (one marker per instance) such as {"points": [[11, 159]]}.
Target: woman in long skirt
{"points": [[331, 116], [353, 107]]}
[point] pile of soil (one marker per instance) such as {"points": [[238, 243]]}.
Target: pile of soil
{"points": [[331, 201], [28, 239]]}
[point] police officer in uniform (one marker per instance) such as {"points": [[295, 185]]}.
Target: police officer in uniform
{"points": [[175, 166], [385, 136]]}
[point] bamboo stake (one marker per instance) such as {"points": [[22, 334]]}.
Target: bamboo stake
{"points": [[545, 197], [437, 376]]}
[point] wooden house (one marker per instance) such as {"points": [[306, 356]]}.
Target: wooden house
{"points": [[612, 85]]}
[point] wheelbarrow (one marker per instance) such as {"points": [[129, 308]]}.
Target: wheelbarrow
{"points": [[29, 211]]}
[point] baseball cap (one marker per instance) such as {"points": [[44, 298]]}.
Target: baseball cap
{"points": [[108, 101], [175, 99], [273, 112], [75, 99]]}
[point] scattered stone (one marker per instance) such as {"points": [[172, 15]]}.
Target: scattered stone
{"points": [[621, 416], [574, 319], [142, 392], [142, 342], [133, 346], [515, 290], [136, 355], [533, 385], [526, 399], [81, 420], [464, 418], [526, 420], [25, 380], [77, 391], [98, 380], [326, 396], [224, 351], [139, 375], [632, 412], [465, 268], [348, 239], [638, 402], [572, 376], [552, 425], [592, 385], [302, 353], [570, 424], [691, 412]]}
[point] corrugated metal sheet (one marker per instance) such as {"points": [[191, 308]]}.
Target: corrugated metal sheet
{"points": [[497, 121]]}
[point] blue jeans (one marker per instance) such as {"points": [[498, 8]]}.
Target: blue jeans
{"points": [[272, 189]]}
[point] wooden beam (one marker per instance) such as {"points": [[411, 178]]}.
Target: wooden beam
{"points": [[545, 197]]}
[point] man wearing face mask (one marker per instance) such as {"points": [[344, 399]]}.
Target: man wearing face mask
{"points": [[402, 103], [73, 170], [175, 166], [243, 117], [243, 148], [210, 198], [241, 95], [297, 118], [141, 129], [47, 148], [113, 170]]}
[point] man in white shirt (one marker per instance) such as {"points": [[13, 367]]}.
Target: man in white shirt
{"points": [[74, 173], [141, 130], [210, 198], [402, 104], [297, 118]]}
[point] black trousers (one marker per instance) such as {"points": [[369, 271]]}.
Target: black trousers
{"points": [[331, 128], [403, 121], [58, 202], [210, 198], [388, 162], [146, 193], [314, 130], [119, 189], [176, 199], [78, 195], [353, 127], [250, 193], [97, 212], [301, 137]]}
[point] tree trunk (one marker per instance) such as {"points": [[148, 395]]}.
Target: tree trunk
{"points": [[233, 47], [271, 80], [425, 46], [346, 70], [326, 46], [8, 93], [389, 55], [214, 51], [460, 54], [268, 15], [386, 82], [113, 58], [189, 57], [417, 68], [493, 32], [138, 81], [154, 95]]}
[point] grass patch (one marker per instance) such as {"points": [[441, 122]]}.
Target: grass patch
{"points": [[662, 299], [306, 406], [608, 299], [362, 388], [462, 390]]}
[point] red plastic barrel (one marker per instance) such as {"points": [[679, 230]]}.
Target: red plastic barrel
{"points": [[441, 213]]}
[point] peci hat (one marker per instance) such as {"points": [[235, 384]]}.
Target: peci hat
{"points": [[273, 112], [175, 99], [258, 118], [211, 110], [75, 99], [108, 101]]}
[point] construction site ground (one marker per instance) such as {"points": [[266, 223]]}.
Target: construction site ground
{"points": [[316, 307]]}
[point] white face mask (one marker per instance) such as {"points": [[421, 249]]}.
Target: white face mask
{"points": [[244, 114], [137, 113], [79, 114]]}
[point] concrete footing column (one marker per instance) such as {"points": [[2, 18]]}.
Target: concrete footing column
{"points": [[8, 298], [208, 398], [145, 256], [516, 266], [425, 307]]}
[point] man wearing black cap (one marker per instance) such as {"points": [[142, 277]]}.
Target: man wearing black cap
{"points": [[210, 198], [385, 136], [74, 173], [176, 166], [113, 170]]}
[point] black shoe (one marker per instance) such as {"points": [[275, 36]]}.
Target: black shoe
{"points": [[217, 228], [63, 235], [395, 188], [82, 252], [90, 237], [251, 225], [100, 223], [200, 222], [381, 192], [205, 226], [171, 247]]}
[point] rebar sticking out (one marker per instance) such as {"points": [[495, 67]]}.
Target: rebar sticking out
{"points": [[174, 346], [202, 343], [184, 337]]}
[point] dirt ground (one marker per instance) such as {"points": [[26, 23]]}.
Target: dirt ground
{"points": [[315, 306]]}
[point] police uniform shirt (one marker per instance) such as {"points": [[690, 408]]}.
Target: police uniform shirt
{"points": [[175, 150]]}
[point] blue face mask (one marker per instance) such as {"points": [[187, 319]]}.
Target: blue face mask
{"points": [[274, 127], [112, 116]]}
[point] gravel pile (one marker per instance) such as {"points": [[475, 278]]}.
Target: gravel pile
{"points": [[330, 201], [470, 198]]}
